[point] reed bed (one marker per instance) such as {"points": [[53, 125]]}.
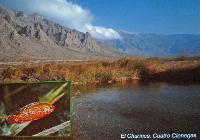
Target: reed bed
{"points": [[100, 71]]}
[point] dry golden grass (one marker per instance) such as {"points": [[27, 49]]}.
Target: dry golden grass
{"points": [[83, 72]]}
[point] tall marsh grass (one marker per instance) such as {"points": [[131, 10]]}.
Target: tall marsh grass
{"points": [[92, 71]]}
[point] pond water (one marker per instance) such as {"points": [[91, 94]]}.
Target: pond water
{"points": [[104, 112]]}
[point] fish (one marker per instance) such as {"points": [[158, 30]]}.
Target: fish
{"points": [[31, 112]]}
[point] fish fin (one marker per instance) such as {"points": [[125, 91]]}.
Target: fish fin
{"points": [[11, 119]]}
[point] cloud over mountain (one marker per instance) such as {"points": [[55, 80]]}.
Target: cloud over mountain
{"points": [[68, 14]]}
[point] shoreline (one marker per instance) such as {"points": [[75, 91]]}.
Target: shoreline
{"points": [[103, 71]]}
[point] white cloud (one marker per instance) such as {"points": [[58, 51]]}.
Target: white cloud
{"points": [[101, 32], [70, 15]]}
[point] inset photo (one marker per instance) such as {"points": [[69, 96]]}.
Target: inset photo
{"points": [[35, 109]]}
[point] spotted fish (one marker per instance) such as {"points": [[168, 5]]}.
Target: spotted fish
{"points": [[31, 112]]}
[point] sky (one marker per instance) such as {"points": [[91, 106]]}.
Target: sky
{"points": [[104, 18]]}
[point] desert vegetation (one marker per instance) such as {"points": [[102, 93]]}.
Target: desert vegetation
{"points": [[103, 71]]}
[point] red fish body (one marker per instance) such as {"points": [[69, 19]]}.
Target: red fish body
{"points": [[31, 112]]}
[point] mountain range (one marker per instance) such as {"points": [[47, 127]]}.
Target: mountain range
{"points": [[159, 45], [24, 37], [32, 36]]}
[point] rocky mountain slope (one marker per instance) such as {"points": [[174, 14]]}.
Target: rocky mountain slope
{"points": [[157, 44], [25, 37]]}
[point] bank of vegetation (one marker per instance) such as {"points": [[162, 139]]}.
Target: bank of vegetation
{"points": [[104, 71]]}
